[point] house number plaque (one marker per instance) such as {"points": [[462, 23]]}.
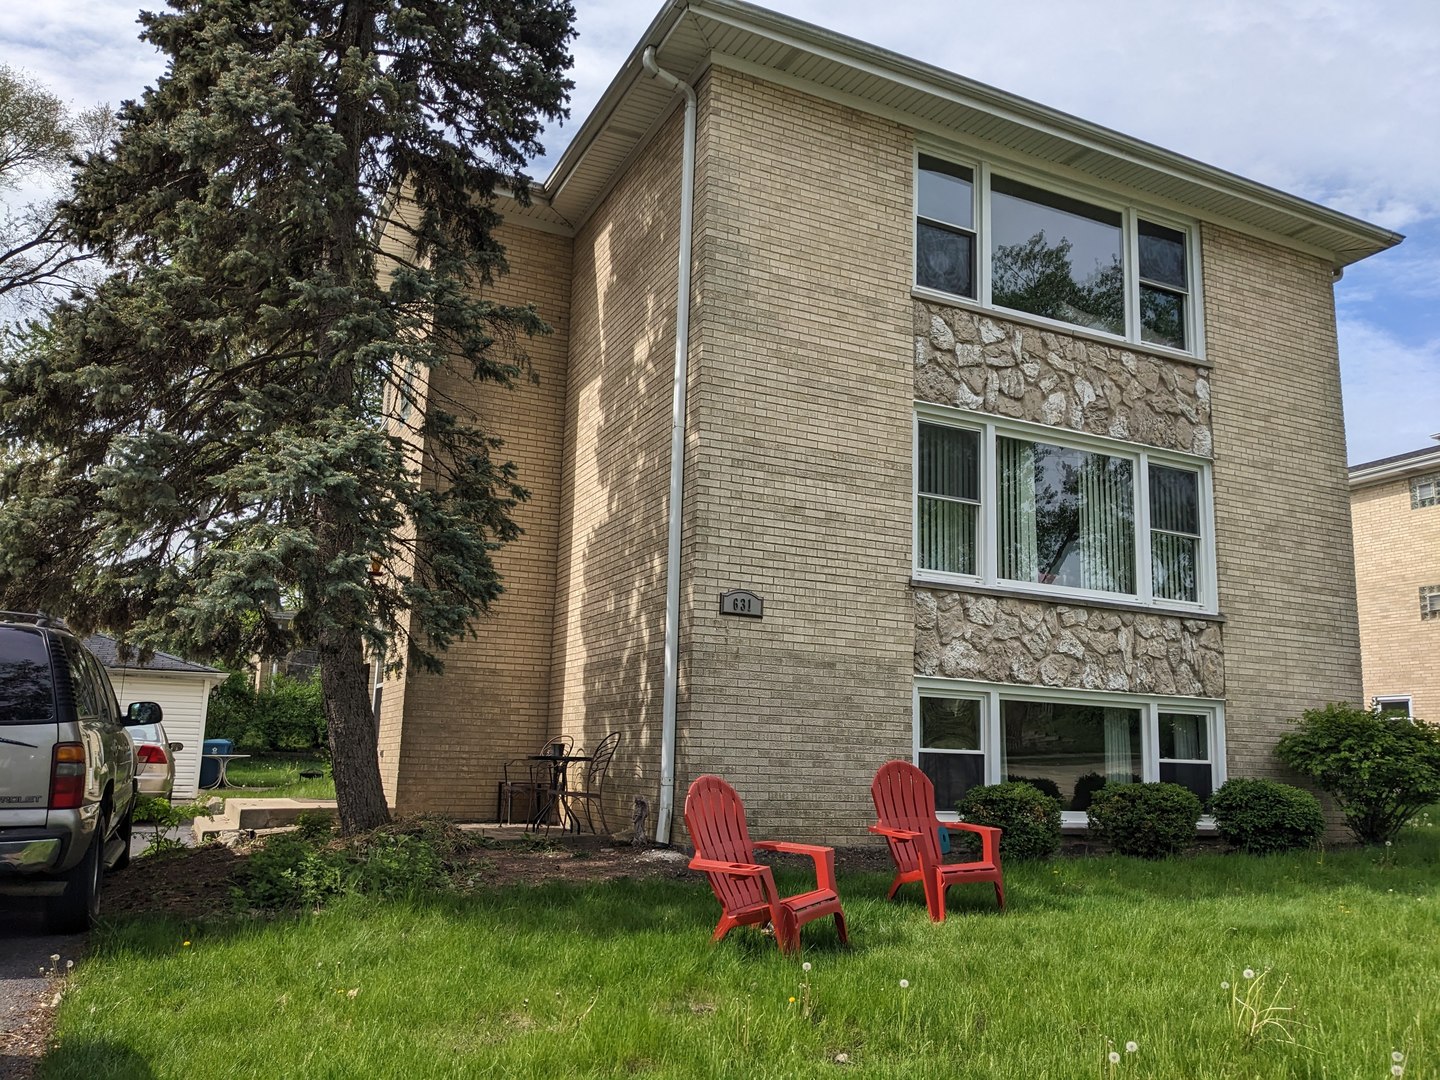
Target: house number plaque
{"points": [[742, 602]]}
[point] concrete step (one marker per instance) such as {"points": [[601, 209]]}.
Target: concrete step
{"points": [[244, 815]]}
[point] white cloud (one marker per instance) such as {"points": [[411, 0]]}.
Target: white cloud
{"points": [[1392, 391]]}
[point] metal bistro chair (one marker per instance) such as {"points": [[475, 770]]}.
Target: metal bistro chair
{"points": [[593, 794], [533, 779]]}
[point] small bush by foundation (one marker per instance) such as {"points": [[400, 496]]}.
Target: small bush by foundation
{"points": [[1030, 818], [1152, 821], [1264, 817]]}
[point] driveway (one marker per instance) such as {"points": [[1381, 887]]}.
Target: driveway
{"points": [[26, 993]]}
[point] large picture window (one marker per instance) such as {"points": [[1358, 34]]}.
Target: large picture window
{"points": [[1069, 744], [1052, 254], [1015, 505]]}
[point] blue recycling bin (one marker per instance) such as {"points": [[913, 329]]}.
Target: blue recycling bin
{"points": [[209, 767]]}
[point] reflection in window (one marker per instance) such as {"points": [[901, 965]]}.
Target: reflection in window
{"points": [[945, 228], [26, 695], [1163, 285], [949, 488], [1185, 752], [950, 749], [1174, 532], [1055, 256], [1073, 749], [1065, 517]]}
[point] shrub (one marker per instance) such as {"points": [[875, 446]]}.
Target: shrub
{"points": [[288, 715], [1030, 818], [1381, 769], [307, 867], [1149, 820], [1264, 816], [162, 815]]}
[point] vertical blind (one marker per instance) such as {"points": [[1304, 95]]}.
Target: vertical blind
{"points": [[948, 511]]}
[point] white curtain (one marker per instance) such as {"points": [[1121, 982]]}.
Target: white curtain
{"points": [[1119, 764], [1107, 530], [1019, 560]]}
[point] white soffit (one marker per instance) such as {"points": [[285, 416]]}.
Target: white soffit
{"points": [[688, 36]]}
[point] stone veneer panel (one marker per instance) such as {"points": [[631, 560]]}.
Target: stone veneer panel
{"points": [[1035, 643], [988, 364]]}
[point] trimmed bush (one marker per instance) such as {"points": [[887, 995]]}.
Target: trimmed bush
{"points": [[1030, 818], [1381, 769], [288, 715], [1152, 821], [1264, 816]]}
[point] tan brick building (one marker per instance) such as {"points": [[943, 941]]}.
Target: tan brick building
{"points": [[1395, 507], [1026, 435]]}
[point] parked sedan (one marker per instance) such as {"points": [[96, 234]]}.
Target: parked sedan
{"points": [[154, 759]]}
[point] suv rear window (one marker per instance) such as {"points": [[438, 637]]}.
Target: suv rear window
{"points": [[27, 695]]}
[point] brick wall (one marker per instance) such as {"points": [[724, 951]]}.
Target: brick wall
{"points": [[493, 701], [798, 476], [1397, 552], [610, 604], [1282, 510]]}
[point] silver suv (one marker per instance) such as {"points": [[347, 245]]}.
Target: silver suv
{"points": [[67, 770]]}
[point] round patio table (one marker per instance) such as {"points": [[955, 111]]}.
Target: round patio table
{"points": [[552, 802]]}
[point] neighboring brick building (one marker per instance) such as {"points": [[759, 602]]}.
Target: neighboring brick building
{"points": [[1395, 507], [1027, 434]]}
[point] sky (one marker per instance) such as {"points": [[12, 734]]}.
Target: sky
{"points": [[1337, 101]]}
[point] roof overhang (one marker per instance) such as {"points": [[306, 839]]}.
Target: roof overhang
{"points": [[691, 36], [1415, 463]]}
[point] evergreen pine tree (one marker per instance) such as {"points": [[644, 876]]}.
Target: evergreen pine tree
{"points": [[203, 435]]}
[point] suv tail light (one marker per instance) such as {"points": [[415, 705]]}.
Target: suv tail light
{"points": [[67, 776], [151, 754]]}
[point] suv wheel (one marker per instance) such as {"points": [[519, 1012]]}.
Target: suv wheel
{"points": [[74, 910]]}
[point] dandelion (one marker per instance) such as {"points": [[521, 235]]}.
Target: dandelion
{"points": [[1131, 1046], [1114, 1057], [185, 944], [54, 957], [1397, 1057], [1397, 1070], [1224, 985], [842, 1059], [792, 999], [904, 984], [69, 965], [805, 966], [351, 993], [1249, 973]]}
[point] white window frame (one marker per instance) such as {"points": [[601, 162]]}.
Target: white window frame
{"points": [[990, 695], [992, 427], [1130, 213], [1381, 700]]}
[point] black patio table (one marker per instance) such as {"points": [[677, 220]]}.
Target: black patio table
{"points": [[554, 798]]}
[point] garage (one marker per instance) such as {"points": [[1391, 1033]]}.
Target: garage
{"points": [[180, 688]]}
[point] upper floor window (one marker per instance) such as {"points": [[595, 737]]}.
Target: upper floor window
{"points": [[1425, 491], [1014, 505], [1430, 601], [1050, 254]]}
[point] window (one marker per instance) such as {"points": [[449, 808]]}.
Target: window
{"points": [[1067, 743], [26, 691], [1425, 491], [1430, 601], [1399, 706], [1009, 504], [1057, 256]]}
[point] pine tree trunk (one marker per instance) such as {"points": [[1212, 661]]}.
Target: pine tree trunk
{"points": [[354, 750]]}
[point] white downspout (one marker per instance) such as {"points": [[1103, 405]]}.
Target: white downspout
{"points": [[677, 455]]}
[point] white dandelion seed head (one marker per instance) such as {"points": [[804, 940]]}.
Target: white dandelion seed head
{"points": [[1224, 984], [805, 966], [1249, 973], [904, 984], [1131, 1046], [1397, 1070], [1114, 1057], [1397, 1057]]}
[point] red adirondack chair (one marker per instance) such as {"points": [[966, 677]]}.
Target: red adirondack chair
{"points": [[715, 817], [905, 803]]}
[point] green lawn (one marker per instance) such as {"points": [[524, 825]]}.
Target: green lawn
{"points": [[620, 979], [264, 776]]}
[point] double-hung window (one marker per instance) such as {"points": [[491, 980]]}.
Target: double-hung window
{"points": [[1002, 240], [1008, 504], [1067, 743]]}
